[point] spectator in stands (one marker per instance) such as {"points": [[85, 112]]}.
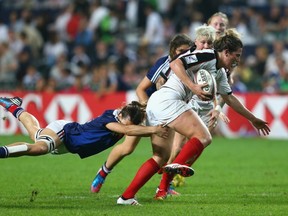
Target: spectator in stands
{"points": [[34, 37], [54, 48], [108, 27], [97, 13], [14, 41], [78, 86], [117, 75], [80, 56], [239, 21], [154, 31], [100, 53], [67, 79], [41, 22], [84, 36], [3, 32], [276, 81], [122, 54], [102, 81], [278, 51], [131, 76], [274, 21], [62, 20], [15, 24], [8, 66], [73, 25], [31, 78]]}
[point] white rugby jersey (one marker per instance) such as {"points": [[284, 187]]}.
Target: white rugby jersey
{"points": [[193, 61]]}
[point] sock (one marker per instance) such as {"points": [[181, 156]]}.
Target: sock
{"points": [[145, 172], [165, 181], [15, 110], [4, 152], [160, 171], [104, 171], [191, 150]]}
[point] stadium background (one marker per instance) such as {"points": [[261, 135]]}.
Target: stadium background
{"points": [[73, 59]]}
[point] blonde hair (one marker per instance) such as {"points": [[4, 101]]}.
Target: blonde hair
{"points": [[205, 31], [223, 15]]}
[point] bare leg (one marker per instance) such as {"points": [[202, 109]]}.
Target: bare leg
{"points": [[178, 142], [30, 123], [122, 150], [116, 155], [38, 148]]}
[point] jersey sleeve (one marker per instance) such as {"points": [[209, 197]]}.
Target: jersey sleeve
{"points": [[158, 69], [223, 86]]}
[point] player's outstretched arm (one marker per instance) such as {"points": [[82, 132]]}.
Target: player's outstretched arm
{"points": [[138, 130], [233, 102]]}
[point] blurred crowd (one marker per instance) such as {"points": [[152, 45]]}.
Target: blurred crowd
{"points": [[106, 46]]}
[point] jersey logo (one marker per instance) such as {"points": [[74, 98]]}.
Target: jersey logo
{"points": [[191, 59]]}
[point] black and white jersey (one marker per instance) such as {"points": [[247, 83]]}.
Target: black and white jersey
{"points": [[193, 61]]}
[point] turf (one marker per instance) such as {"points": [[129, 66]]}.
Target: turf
{"points": [[232, 177]]}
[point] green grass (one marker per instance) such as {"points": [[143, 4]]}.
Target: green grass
{"points": [[233, 177]]}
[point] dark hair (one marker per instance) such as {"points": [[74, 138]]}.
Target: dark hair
{"points": [[177, 41], [230, 40], [134, 111]]}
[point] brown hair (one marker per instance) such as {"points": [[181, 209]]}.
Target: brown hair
{"points": [[177, 41], [231, 41], [135, 111]]}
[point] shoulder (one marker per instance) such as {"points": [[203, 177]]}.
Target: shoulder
{"points": [[161, 65], [162, 60]]}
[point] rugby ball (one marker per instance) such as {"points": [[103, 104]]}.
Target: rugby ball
{"points": [[202, 77]]}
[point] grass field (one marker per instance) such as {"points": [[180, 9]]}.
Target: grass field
{"points": [[232, 177]]}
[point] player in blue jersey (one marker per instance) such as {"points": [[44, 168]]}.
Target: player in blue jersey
{"points": [[155, 77], [86, 139]]}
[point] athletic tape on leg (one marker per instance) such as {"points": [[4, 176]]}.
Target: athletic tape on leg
{"points": [[16, 149], [49, 141]]}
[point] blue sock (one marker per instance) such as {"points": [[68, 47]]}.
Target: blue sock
{"points": [[4, 152]]}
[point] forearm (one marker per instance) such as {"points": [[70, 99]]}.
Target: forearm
{"points": [[142, 97], [221, 102], [239, 107], [138, 130]]}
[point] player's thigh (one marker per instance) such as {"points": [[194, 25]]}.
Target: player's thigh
{"points": [[190, 125]]}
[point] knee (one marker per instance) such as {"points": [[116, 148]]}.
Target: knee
{"points": [[206, 140], [161, 158], [38, 149]]}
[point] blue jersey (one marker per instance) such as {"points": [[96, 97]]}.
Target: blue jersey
{"points": [[91, 137], [160, 68]]}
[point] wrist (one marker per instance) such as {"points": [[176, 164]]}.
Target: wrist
{"points": [[218, 108]]}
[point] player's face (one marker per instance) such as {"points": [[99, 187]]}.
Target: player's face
{"points": [[232, 59], [181, 49], [203, 43], [219, 24]]}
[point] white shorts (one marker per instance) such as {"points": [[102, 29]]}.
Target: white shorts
{"points": [[202, 109], [164, 106], [57, 126]]}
